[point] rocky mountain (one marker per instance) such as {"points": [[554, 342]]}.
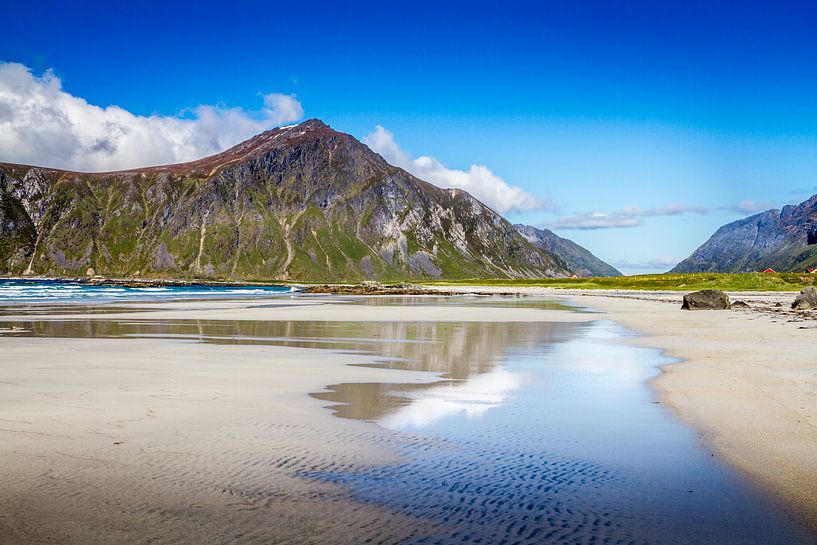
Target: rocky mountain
{"points": [[784, 240], [578, 259], [302, 202]]}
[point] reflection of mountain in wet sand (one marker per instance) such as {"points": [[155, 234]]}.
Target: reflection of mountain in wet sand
{"points": [[455, 351]]}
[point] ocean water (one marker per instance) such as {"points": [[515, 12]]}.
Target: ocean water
{"points": [[16, 292]]}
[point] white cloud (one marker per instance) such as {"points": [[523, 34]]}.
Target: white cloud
{"points": [[630, 216], [41, 124], [751, 207], [478, 180], [594, 220]]}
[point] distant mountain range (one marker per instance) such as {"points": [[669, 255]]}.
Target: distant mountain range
{"points": [[578, 259], [303, 202], [784, 240]]}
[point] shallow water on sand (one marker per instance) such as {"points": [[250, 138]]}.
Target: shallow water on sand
{"points": [[536, 432], [560, 441]]}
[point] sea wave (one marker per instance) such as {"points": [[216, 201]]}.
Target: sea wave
{"points": [[13, 292]]}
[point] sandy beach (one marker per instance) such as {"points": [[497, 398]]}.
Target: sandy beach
{"points": [[746, 380], [167, 443], [171, 438], [168, 439]]}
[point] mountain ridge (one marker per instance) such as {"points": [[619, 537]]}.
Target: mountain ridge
{"points": [[577, 258], [782, 239], [302, 202]]}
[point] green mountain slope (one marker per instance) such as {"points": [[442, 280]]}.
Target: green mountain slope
{"points": [[299, 203]]}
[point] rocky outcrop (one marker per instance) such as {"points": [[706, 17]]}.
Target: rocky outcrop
{"points": [[299, 203], [576, 258], [706, 300], [807, 300], [784, 240]]}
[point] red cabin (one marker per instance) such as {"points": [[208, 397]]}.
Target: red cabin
{"points": [[769, 270]]}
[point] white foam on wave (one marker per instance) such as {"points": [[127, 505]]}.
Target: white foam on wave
{"points": [[15, 292]]}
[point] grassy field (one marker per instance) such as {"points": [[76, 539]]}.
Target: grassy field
{"points": [[677, 282]]}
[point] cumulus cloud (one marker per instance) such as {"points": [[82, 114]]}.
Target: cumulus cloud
{"points": [[41, 124], [631, 216], [478, 180]]}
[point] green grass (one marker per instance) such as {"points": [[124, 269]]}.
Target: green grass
{"points": [[676, 282]]}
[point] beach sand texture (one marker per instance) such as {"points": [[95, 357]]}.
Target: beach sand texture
{"points": [[189, 442]]}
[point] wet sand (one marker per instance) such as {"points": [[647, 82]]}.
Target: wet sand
{"points": [[165, 440], [746, 380], [172, 440], [150, 441]]}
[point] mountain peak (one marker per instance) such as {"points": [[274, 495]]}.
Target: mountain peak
{"points": [[313, 123], [256, 145], [296, 202]]}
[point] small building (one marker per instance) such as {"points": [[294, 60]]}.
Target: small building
{"points": [[768, 270], [812, 270]]}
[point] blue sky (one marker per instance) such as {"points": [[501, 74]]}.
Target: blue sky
{"points": [[671, 118]]}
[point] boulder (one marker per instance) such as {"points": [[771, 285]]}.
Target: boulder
{"points": [[740, 304], [706, 300], [806, 300]]}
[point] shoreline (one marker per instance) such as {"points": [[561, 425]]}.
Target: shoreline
{"points": [[749, 412]]}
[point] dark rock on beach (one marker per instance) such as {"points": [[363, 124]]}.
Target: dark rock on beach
{"points": [[706, 300], [807, 299]]}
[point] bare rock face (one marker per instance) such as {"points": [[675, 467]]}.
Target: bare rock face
{"points": [[300, 203], [807, 300], [576, 258], [706, 300], [784, 240]]}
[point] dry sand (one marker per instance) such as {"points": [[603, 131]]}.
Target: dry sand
{"points": [[324, 309]]}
